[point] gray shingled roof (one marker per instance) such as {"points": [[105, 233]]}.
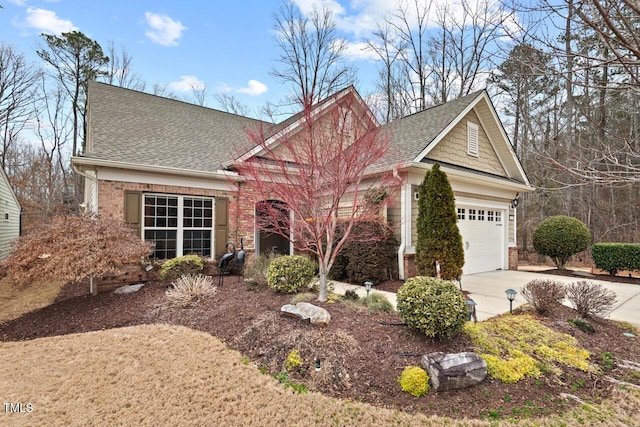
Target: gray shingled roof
{"points": [[139, 128], [412, 134]]}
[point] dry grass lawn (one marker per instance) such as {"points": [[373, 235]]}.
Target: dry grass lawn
{"points": [[15, 301], [160, 375]]}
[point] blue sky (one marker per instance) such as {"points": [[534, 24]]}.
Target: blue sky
{"points": [[226, 45]]}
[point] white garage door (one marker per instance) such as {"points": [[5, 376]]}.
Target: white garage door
{"points": [[482, 233]]}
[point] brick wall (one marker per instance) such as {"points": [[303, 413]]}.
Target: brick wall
{"points": [[111, 198]]}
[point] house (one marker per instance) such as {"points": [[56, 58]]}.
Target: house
{"points": [[162, 166], [9, 215]]}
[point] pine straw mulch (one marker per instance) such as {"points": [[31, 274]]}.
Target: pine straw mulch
{"points": [[361, 354]]}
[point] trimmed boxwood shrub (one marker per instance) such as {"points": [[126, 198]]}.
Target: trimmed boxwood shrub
{"points": [[181, 266], [559, 237], [433, 306], [614, 257], [414, 380], [290, 272]]}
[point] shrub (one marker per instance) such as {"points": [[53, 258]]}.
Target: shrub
{"points": [[350, 295], [435, 307], [439, 238], [377, 303], [543, 294], [590, 299], [71, 248], [181, 266], [516, 347], [559, 237], [373, 260], [614, 257], [414, 380], [290, 272], [294, 360], [189, 289]]}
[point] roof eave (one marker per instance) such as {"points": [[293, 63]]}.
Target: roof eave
{"points": [[471, 176], [93, 162]]}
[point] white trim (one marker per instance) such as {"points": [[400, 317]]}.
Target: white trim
{"points": [[91, 163], [180, 220], [141, 177]]}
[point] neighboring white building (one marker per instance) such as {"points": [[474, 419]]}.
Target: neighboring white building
{"points": [[9, 215]]}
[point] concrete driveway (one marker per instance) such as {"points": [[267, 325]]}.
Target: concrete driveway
{"points": [[487, 290]]}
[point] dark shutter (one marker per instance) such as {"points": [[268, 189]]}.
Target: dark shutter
{"points": [[222, 225], [132, 214]]}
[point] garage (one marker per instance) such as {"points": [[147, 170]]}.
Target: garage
{"points": [[483, 238]]}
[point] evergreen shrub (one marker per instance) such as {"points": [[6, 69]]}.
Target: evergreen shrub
{"points": [[289, 273], [439, 238], [559, 237], [433, 306], [181, 266], [614, 257], [414, 380]]}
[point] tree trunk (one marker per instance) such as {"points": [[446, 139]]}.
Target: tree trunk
{"points": [[324, 284]]}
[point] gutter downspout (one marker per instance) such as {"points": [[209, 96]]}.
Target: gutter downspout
{"points": [[403, 226], [94, 180]]}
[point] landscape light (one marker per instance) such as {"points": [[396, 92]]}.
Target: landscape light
{"points": [[511, 295]]}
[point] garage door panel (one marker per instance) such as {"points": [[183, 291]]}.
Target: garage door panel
{"points": [[482, 233]]}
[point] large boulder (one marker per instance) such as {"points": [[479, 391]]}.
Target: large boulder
{"points": [[453, 371], [306, 311]]}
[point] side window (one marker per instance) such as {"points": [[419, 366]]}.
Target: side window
{"points": [[461, 214]]}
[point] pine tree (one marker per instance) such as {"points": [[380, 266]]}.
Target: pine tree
{"points": [[438, 236]]}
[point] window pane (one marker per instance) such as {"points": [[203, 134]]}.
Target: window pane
{"points": [[165, 241], [197, 241]]}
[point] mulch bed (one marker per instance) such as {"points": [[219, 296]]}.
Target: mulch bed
{"points": [[385, 346]]}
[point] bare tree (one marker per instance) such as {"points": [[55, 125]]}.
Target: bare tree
{"points": [[386, 44], [199, 93], [461, 50], [18, 96], [231, 104], [317, 175], [119, 72], [411, 24], [311, 54]]}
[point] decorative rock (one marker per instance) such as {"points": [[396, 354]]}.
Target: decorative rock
{"points": [[453, 371], [128, 289], [305, 311]]}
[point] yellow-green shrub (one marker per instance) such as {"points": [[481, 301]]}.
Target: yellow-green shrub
{"points": [[181, 266], [511, 369], [414, 380], [519, 346], [293, 360], [290, 273]]}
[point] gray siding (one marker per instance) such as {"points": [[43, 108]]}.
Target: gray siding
{"points": [[9, 216]]}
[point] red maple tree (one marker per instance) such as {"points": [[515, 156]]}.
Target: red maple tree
{"points": [[322, 169]]}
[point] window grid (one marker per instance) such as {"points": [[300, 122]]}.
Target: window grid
{"points": [[461, 213], [472, 214], [167, 217], [481, 215], [490, 216], [498, 216]]}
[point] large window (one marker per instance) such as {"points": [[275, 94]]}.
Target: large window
{"points": [[178, 225]]}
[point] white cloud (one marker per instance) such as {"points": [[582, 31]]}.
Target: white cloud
{"points": [[163, 30], [359, 51], [186, 84], [47, 21], [254, 88]]}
